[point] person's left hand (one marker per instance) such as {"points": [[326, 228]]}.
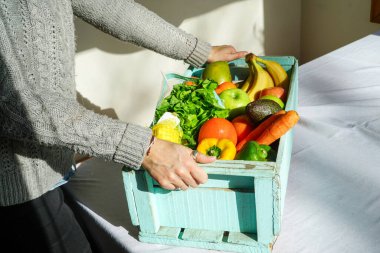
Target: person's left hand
{"points": [[224, 53]]}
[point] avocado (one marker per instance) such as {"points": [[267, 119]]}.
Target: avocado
{"points": [[259, 110], [218, 71]]}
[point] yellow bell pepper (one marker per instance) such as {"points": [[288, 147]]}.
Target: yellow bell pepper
{"points": [[223, 149]]}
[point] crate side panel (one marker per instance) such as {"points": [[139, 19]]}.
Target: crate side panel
{"points": [[292, 100], [145, 203], [239, 70], [264, 203], [207, 208], [284, 152], [128, 180]]}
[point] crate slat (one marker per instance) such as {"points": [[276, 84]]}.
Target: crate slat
{"points": [[169, 232], [242, 238], [202, 235]]}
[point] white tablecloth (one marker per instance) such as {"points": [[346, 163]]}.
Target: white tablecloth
{"points": [[333, 195]]}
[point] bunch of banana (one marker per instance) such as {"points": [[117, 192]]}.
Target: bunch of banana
{"points": [[277, 72], [258, 78]]}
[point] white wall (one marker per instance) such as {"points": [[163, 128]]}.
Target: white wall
{"points": [[126, 79]]}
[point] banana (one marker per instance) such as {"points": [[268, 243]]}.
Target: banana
{"points": [[277, 72], [247, 83], [259, 78]]}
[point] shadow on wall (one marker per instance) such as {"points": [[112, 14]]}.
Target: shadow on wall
{"points": [[282, 29], [175, 12]]}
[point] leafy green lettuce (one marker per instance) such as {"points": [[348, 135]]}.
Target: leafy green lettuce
{"points": [[193, 105]]}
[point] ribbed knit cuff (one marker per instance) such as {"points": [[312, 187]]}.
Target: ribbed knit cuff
{"points": [[200, 54], [133, 146]]}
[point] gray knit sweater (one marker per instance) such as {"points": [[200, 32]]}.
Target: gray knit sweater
{"points": [[41, 123]]}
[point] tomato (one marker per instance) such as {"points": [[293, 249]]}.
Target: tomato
{"points": [[225, 86], [218, 128], [243, 126]]}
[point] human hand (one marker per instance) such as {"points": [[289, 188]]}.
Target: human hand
{"points": [[224, 53], [173, 166]]}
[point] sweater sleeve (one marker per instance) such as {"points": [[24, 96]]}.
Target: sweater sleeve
{"points": [[130, 21], [43, 116]]}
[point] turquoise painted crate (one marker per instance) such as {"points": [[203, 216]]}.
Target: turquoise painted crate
{"points": [[240, 207]]}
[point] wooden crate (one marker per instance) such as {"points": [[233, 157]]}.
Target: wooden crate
{"points": [[239, 209]]}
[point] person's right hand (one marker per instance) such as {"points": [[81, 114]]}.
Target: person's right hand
{"points": [[173, 166]]}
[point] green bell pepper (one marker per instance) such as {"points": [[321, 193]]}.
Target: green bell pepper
{"points": [[253, 151]]}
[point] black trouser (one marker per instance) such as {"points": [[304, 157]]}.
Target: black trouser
{"points": [[45, 224]]}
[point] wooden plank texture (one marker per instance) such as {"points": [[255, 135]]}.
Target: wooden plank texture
{"points": [[264, 215], [203, 208], [199, 235], [169, 232]]}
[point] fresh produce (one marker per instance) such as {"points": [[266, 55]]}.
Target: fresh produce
{"points": [[223, 149], [256, 132], [235, 100], [278, 127], [193, 105], [168, 128], [277, 72], [225, 86], [253, 151], [275, 91], [218, 128], [218, 71], [258, 110], [220, 118], [243, 126], [258, 78], [275, 99]]}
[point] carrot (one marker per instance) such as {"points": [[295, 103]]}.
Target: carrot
{"points": [[255, 133], [278, 128]]}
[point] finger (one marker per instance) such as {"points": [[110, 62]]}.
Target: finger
{"points": [[178, 182], [237, 55], [163, 181], [199, 175], [187, 178], [202, 158], [168, 186], [190, 181]]}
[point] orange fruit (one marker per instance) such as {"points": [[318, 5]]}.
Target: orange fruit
{"points": [[225, 86]]}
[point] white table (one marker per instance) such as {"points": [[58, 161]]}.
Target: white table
{"points": [[333, 196]]}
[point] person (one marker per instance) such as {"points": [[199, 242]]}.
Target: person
{"points": [[42, 125]]}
